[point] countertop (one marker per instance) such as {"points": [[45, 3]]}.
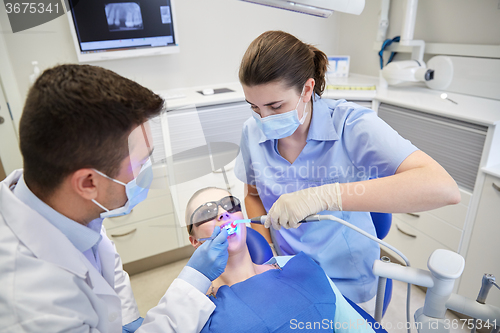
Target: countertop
{"points": [[493, 170], [356, 87], [482, 111]]}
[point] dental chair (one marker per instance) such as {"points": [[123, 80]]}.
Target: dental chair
{"points": [[382, 223], [259, 249], [261, 252]]}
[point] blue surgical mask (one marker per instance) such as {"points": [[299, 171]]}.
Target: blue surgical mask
{"points": [[136, 190], [279, 126]]}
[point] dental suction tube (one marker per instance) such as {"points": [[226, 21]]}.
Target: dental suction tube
{"points": [[317, 218]]}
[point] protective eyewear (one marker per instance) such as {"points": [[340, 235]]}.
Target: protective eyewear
{"points": [[209, 210]]}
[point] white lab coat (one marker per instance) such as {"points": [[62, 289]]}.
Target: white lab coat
{"points": [[47, 285]]}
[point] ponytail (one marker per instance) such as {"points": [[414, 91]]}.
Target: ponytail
{"points": [[320, 68]]}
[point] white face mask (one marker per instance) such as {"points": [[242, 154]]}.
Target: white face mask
{"points": [[136, 190], [279, 126]]}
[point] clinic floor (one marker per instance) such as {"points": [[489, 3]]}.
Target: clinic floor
{"points": [[150, 286]]}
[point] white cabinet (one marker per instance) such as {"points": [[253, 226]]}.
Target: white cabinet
{"points": [[145, 238], [483, 255], [413, 243], [472, 227], [417, 235], [148, 230]]}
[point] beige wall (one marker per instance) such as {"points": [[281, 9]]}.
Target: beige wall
{"points": [[438, 21]]}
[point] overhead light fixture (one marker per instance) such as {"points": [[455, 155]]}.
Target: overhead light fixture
{"points": [[321, 8]]}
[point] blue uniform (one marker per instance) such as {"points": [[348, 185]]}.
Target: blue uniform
{"points": [[346, 143]]}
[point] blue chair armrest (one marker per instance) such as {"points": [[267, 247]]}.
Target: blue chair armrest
{"points": [[377, 327], [259, 249], [387, 296], [382, 223]]}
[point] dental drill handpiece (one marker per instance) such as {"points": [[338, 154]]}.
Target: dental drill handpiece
{"points": [[231, 228], [487, 282], [262, 219]]}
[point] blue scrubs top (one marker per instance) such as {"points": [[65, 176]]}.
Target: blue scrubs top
{"points": [[346, 143]]}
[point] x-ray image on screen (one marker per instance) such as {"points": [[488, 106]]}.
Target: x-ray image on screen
{"points": [[116, 29], [165, 15], [124, 16]]}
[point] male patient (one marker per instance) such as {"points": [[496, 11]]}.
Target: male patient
{"points": [[84, 140]]}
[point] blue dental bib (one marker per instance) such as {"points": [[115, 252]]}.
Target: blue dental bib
{"points": [[284, 300]]}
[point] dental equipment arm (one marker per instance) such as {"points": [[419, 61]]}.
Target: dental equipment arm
{"points": [[316, 218], [444, 268]]}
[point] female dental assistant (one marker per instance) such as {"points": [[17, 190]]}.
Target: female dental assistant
{"points": [[302, 155]]}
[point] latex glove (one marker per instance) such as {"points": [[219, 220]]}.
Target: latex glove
{"points": [[293, 207], [133, 326], [210, 258]]}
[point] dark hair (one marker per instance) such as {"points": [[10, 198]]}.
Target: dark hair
{"points": [[190, 212], [278, 56], [80, 116]]}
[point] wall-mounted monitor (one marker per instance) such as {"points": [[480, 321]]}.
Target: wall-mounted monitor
{"points": [[114, 29]]}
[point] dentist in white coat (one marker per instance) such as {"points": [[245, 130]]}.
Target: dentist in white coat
{"points": [[86, 157]]}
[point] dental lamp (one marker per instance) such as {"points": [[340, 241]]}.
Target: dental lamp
{"points": [[407, 71], [437, 74], [321, 8]]}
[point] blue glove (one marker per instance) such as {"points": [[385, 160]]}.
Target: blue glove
{"points": [[210, 258], [133, 326]]}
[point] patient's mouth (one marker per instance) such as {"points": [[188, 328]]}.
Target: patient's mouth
{"points": [[231, 229]]}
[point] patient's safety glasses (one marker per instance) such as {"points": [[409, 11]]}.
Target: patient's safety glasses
{"points": [[209, 210]]}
